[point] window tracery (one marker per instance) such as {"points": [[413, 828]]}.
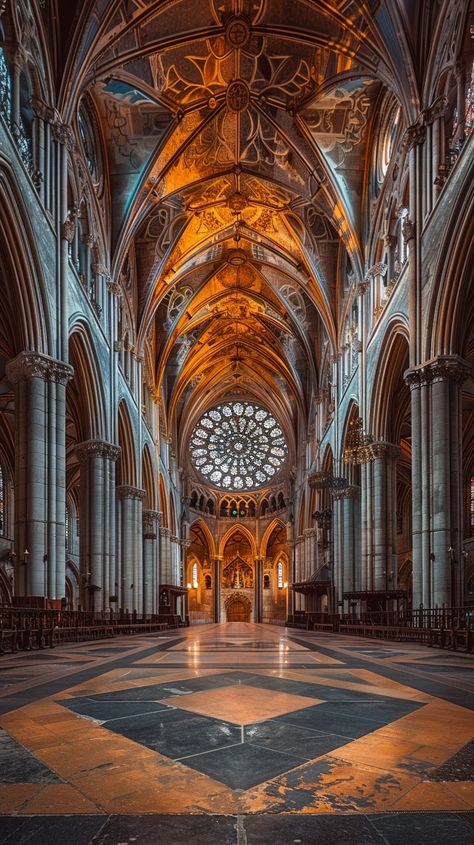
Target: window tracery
{"points": [[238, 446]]}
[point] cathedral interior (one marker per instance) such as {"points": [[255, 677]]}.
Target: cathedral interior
{"points": [[236, 421]]}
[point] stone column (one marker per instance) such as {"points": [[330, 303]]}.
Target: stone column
{"points": [[97, 521], [345, 539], [217, 589], [165, 556], [258, 589], [40, 472], [437, 479], [384, 509], [150, 561], [131, 545]]}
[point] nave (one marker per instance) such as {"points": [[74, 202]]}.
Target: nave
{"points": [[236, 734]]}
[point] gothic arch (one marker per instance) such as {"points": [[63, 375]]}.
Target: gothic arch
{"points": [[452, 282], [268, 533], [209, 537], [232, 530], [86, 391], [126, 466], [148, 479], [25, 309], [392, 362]]}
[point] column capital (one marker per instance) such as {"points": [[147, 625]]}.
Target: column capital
{"points": [[44, 111], [350, 492], [150, 524], [379, 269], [28, 365], [451, 368], [114, 288], [414, 135], [382, 449], [165, 532], [64, 134], [97, 448], [126, 491], [174, 538], [437, 109]]}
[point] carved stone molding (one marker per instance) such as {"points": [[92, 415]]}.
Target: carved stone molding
{"points": [[63, 133], [379, 269], [237, 96], [44, 111], [165, 532], [450, 368], [28, 365], [414, 135], [382, 449], [362, 288], [126, 491], [97, 449], [350, 492], [436, 110], [114, 288]]}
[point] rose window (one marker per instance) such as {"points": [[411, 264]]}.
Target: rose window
{"points": [[238, 446]]}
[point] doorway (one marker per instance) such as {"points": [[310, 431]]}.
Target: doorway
{"points": [[238, 611]]}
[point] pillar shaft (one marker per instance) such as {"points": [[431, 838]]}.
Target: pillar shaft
{"points": [[40, 423], [131, 546]]}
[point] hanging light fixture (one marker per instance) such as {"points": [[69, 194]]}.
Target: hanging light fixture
{"points": [[358, 448]]}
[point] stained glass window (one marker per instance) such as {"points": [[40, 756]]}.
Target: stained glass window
{"points": [[280, 575], [470, 103], [195, 576], [238, 446], [5, 88]]}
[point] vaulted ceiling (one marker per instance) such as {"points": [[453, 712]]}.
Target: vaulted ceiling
{"points": [[237, 136]]}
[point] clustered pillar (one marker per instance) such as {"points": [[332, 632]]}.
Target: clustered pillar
{"points": [[131, 547], [346, 532], [40, 476], [151, 523], [97, 532], [436, 476]]}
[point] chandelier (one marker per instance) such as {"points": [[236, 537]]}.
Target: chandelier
{"points": [[321, 480], [358, 444]]}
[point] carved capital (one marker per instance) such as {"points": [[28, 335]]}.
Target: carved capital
{"points": [[450, 368], [28, 365], [437, 109], [114, 288], [97, 449], [63, 133], [381, 449], [362, 288], [165, 532], [414, 135], [126, 491], [44, 111], [379, 269]]}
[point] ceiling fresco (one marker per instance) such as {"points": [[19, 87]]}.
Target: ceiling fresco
{"points": [[236, 138]]}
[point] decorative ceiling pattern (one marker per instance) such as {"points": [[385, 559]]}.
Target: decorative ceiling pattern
{"points": [[236, 139]]}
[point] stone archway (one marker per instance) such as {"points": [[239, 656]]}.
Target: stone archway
{"points": [[238, 608]]}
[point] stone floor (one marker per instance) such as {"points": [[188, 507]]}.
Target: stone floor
{"points": [[236, 734]]}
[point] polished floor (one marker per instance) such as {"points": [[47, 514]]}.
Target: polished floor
{"points": [[237, 734]]}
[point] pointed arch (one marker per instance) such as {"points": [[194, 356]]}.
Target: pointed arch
{"points": [[126, 467], [275, 523], [86, 390], [148, 479], [209, 538], [392, 363], [163, 504], [232, 530], [25, 303]]}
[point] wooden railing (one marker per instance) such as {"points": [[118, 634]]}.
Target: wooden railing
{"points": [[22, 629]]}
